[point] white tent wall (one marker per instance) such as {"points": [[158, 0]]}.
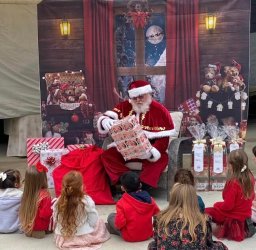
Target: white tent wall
{"points": [[19, 73]]}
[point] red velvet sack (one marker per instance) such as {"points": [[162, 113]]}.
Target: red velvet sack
{"points": [[87, 161]]}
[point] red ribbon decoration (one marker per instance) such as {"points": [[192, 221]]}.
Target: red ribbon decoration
{"points": [[41, 168], [50, 161], [139, 18]]}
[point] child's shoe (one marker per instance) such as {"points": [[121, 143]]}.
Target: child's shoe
{"points": [[249, 228]]}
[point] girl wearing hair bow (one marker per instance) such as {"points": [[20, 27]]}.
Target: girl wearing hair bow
{"points": [[35, 210], [10, 197], [232, 215]]}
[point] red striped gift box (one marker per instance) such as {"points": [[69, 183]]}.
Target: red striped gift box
{"points": [[72, 147], [35, 145]]}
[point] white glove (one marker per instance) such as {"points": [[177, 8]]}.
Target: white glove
{"points": [[155, 155], [107, 123]]}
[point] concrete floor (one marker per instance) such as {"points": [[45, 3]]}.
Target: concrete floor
{"points": [[20, 242]]}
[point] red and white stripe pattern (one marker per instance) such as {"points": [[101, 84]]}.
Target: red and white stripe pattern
{"points": [[53, 143], [72, 147]]}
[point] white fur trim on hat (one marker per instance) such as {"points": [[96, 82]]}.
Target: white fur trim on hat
{"points": [[140, 91], [155, 155]]}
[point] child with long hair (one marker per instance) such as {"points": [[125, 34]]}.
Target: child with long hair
{"points": [[134, 211], [10, 197], [77, 224], [185, 176], [35, 210], [234, 212], [181, 225]]}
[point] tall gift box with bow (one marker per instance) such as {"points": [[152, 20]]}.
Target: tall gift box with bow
{"points": [[218, 157], [200, 157], [51, 159]]}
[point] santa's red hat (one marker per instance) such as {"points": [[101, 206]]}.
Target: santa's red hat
{"points": [[138, 88]]}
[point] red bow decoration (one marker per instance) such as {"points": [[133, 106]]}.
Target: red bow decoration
{"points": [[50, 161], [139, 18], [41, 168]]}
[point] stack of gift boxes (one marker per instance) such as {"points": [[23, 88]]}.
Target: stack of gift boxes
{"points": [[49, 152], [209, 159]]}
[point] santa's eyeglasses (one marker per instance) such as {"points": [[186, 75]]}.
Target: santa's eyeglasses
{"points": [[140, 97]]}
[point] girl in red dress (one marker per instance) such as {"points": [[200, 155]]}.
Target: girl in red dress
{"points": [[232, 215], [35, 209]]}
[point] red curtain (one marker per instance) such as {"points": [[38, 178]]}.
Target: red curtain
{"points": [[100, 69], [182, 52]]}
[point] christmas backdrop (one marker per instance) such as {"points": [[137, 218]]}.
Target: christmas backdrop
{"points": [[201, 72]]}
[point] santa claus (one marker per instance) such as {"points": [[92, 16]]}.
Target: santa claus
{"points": [[154, 119]]}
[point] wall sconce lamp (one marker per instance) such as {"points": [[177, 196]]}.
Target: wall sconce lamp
{"points": [[65, 28], [210, 22]]}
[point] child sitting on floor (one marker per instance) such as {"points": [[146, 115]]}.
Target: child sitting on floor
{"points": [[185, 176], [134, 211], [35, 209], [10, 197], [181, 225], [76, 218], [233, 214]]}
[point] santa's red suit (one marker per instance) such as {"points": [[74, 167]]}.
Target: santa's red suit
{"points": [[158, 126]]}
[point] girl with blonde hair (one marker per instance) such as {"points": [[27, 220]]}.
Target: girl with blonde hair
{"points": [[181, 225], [76, 218], [35, 209], [233, 214]]}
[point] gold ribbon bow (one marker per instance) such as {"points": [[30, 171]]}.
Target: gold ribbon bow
{"points": [[238, 140], [199, 141], [217, 145]]}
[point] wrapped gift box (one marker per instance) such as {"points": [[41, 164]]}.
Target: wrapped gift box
{"points": [[200, 165], [72, 147], [51, 159], [218, 167], [201, 177], [130, 139], [36, 145]]}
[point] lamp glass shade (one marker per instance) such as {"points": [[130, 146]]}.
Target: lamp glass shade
{"points": [[210, 22], [65, 27]]}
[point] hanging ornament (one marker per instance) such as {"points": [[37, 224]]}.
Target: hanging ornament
{"points": [[244, 95], [243, 105], [75, 118], [219, 107], [203, 96], [210, 104], [198, 94], [198, 103], [230, 105], [237, 95]]}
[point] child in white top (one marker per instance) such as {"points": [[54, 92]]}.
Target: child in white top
{"points": [[10, 197], [75, 217]]}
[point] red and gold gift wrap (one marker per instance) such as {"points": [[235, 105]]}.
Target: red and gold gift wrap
{"points": [[218, 165], [130, 139], [200, 165]]}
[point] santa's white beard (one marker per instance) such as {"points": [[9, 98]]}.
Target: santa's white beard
{"points": [[141, 108]]}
